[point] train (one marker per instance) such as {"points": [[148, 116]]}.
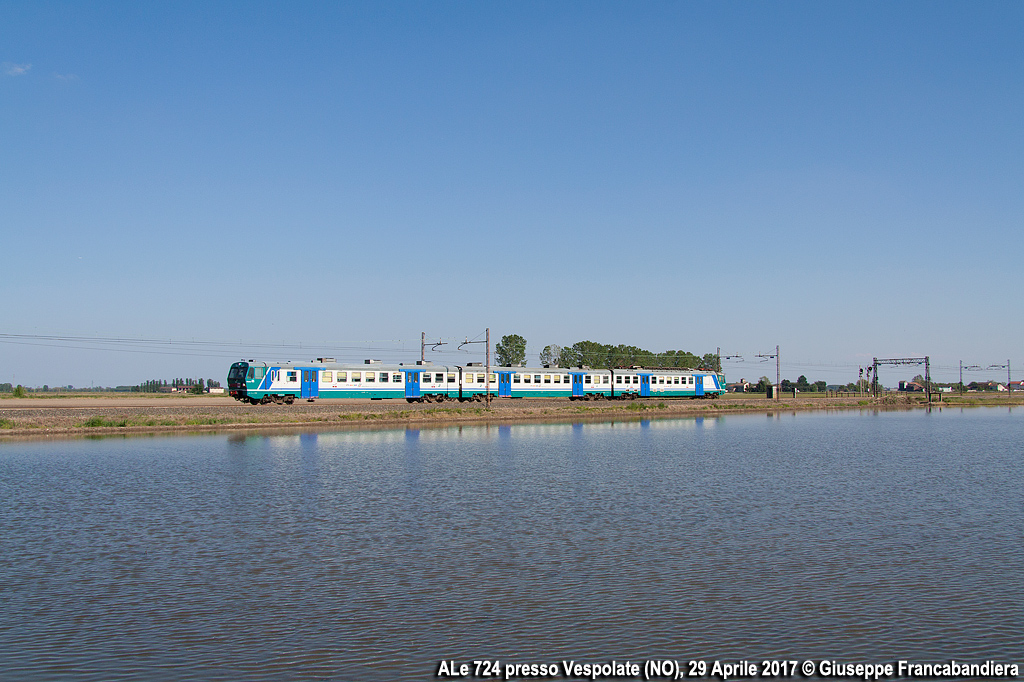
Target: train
{"points": [[261, 383]]}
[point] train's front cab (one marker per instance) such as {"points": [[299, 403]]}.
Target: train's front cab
{"points": [[237, 376]]}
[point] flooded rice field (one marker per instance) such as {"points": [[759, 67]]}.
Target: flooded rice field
{"points": [[854, 536]]}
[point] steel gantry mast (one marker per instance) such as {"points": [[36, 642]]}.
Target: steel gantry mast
{"points": [[902, 361]]}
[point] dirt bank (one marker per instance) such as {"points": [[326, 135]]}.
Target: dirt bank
{"points": [[76, 416]]}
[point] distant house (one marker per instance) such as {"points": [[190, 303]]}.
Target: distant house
{"points": [[741, 386], [985, 386], [215, 390], [911, 387]]}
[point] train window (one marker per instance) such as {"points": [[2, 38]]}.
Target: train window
{"points": [[586, 379], [370, 377], [515, 378], [547, 378], [536, 378], [526, 378], [565, 378], [558, 378], [494, 378], [618, 380], [252, 373], [397, 378], [357, 376], [661, 380], [636, 380], [691, 381], [342, 377], [293, 377], [480, 378], [451, 378], [439, 378], [606, 380], [384, 377], [327, 376]]}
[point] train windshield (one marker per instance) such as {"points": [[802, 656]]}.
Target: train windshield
{"points": [[238, 371]]}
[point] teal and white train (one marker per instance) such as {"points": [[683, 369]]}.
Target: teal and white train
{"points": [[262, 382]]}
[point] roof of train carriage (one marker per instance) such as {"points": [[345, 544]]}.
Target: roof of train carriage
{"points": [[617, 370], [351, 367]]}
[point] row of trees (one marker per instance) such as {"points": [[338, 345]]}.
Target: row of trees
{"points": [[804, 386], [151, 386], [18, 391], [161, 385], [511, 350], [8, 388]]}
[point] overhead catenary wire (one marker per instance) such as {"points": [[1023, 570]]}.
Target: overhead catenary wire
{"points": [[353, 351]]}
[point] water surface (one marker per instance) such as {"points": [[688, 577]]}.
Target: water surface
{"points": [[866, 536]]}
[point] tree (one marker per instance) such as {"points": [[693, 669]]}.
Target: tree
{"points": [[801, 383], [762, 385], [511, 350], [569, 357], [19, 391], [712, 362], [550, 354]]}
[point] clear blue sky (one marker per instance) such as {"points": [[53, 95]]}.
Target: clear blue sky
{"points": [[845, 180]]}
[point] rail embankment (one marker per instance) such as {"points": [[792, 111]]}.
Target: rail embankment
{"points": [[65, 416]]}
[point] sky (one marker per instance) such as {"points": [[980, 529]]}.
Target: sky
{"points": [[284, 181]]}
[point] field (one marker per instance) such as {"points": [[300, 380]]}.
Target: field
{"points": [[104, 413]]}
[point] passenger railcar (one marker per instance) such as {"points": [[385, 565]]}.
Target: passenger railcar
{"points": [[262, 383]]}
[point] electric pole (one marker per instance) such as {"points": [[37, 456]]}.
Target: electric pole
{"points": [[778, 369]]}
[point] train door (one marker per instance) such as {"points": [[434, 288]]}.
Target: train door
{"points": [[645, 385], [310, 385], [577, 384], [698, 382], [412, 384], [504, 384]]}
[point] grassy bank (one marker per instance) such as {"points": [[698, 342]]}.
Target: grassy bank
{"points": [[154, 417]]}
